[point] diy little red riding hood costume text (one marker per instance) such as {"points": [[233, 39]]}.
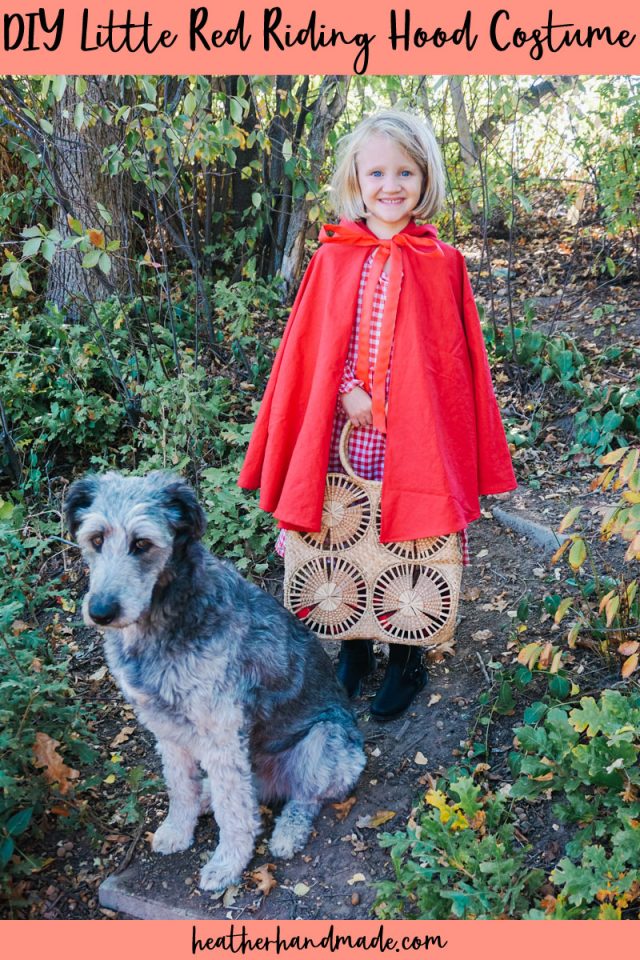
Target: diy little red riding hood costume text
{"points": [[445, 441]]}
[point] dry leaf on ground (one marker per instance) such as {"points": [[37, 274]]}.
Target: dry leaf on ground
{"points": [[264, 878], [343, 809], [55, 769], [122, 737], [375, 820]]}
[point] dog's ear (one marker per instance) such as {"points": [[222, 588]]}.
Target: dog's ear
{"points": [[185, 513], [80, 496]]}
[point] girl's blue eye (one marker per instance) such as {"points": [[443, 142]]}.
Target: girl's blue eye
{"points": [[406, 173], [376, 173]]}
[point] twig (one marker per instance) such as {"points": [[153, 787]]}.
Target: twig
{"points": [[483, 668], [126, 860]]}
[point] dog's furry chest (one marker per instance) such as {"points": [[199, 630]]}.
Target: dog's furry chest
{"points": [[170, 693]]}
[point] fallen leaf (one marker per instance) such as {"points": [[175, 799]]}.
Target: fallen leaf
{"points": [[629, 665], [434, 698], [122, 737], [356, 878], [343, 809], [420, 759], [628, 648], [18, 627], [230, 895], [98, 675], [301, 889], [480, 635], [472, 593], [264, 878], [55, 769], [373, 821], [483, 553]]}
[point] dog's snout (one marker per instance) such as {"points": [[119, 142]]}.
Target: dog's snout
{"points": [[104, 610]]}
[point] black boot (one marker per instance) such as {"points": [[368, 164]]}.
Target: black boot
{"points": [[356, 660], [405, 677]]}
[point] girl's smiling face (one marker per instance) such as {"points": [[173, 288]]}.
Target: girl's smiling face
{"points": [[390, 183]]}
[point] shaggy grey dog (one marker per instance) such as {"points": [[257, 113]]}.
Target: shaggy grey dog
{"points": [[228, 681]]}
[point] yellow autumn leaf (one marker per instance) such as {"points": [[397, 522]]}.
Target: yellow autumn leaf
{"points": [[559, 552], [563, 606], [569, 519], [577, 554], [612, 609], [557, 660], [629, 665], [605, 600], [545, 656], [613, 456], [629, 465]]}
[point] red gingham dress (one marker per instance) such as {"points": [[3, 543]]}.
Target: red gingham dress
{"points": [[366, 444]]}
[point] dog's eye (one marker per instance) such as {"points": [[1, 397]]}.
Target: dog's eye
{"points": [[141, 545], [97, 541]]}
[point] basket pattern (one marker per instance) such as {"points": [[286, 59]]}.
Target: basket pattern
{"points": [[345, 585]]}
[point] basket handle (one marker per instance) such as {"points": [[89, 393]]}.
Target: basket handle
{"points": [[344, 451]]}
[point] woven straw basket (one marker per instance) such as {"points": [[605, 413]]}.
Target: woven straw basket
{"points": [[345, 585]]}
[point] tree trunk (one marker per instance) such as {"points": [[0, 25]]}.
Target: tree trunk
{"points": [[468, 150], [326, 111], [80, 185]]}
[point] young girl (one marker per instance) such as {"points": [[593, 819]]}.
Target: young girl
{"points": [[384, 332]]}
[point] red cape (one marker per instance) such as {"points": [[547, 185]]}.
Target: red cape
{"points": [[445, 440]]}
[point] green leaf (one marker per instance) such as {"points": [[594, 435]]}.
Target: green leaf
{"points": [[46, 125], [6, 851], [91, 259], [256, 199], [19, 281], [505, 704], [105, 263], [31, 247], [559, 687], [78, 115], [81, 86], [58, 86], [19, 822], [104, 214], [74, 224], [190, 104], [235, 109], [535, 712]]}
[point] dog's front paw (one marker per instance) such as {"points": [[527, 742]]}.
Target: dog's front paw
{"points": [[284, 847], [171, 837], [218, 874]]}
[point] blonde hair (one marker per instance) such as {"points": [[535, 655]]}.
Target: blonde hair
{"points": [[416, 138]]}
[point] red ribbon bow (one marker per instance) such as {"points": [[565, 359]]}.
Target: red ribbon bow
{"points": [[387, 249]]}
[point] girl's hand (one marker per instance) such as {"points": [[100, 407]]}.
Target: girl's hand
{"points": [[357, 406]]}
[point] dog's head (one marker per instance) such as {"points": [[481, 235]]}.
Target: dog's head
{"points": [[132, 532]]}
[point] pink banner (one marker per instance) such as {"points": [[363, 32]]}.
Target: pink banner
{"points": [[325, 36]]}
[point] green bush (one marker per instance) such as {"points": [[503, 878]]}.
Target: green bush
{"points": [[37, 700], [460, 858]]}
